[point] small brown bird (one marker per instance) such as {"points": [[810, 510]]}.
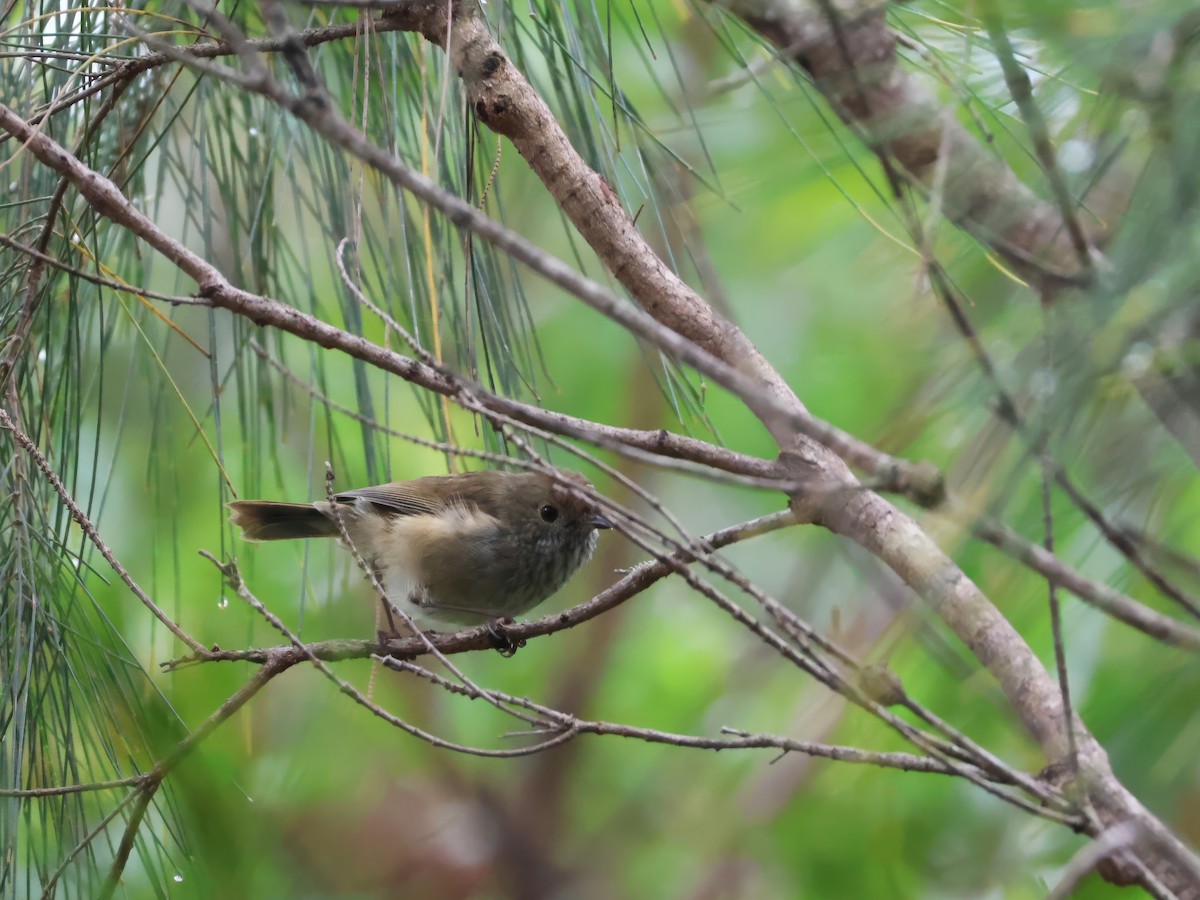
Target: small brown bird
{"points": [[451, 549]]}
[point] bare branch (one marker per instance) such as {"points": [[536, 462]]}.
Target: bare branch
{"points": [[111, 284], [634, 581], [852, 62], [153, 779], [745, 740], [679, 321], [305, 652], [131, 781], [1008, 411], [1104, 598], [93, 535]]}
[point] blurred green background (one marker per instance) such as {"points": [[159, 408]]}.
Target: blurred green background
{"points": [[747, 184]]}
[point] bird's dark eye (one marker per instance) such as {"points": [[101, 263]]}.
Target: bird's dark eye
{"points": [[549, 513]]}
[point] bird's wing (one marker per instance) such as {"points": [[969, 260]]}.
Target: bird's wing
{"points": [[398, 498]]}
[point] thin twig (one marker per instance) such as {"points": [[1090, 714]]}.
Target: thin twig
{"points": [[33, 279], [123, 287], [1056, 630], [634, 581], [93, 535], [153, 779], [746, 740], [738, 740], [302, 652], [48, 889], [59, 790], [1108, 600], [1006, 409]]}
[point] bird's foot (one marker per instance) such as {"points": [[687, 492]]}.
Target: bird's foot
{"points": [[385, 637], [392, 632], [497, 630]]}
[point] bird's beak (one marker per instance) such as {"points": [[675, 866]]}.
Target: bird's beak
{"points": [[596, 520]]}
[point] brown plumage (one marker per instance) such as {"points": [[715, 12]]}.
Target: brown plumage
{"points": [[451, 549]]}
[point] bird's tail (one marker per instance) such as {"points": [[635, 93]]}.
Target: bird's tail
{"points": [[266, 520]]}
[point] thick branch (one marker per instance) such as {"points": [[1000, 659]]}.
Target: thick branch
{"points": [[505, 101], [508, 104], [854, 65], [896, 539]]}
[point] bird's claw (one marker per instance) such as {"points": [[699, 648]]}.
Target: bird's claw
{"points": [[497, 630], [385, 637]]}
